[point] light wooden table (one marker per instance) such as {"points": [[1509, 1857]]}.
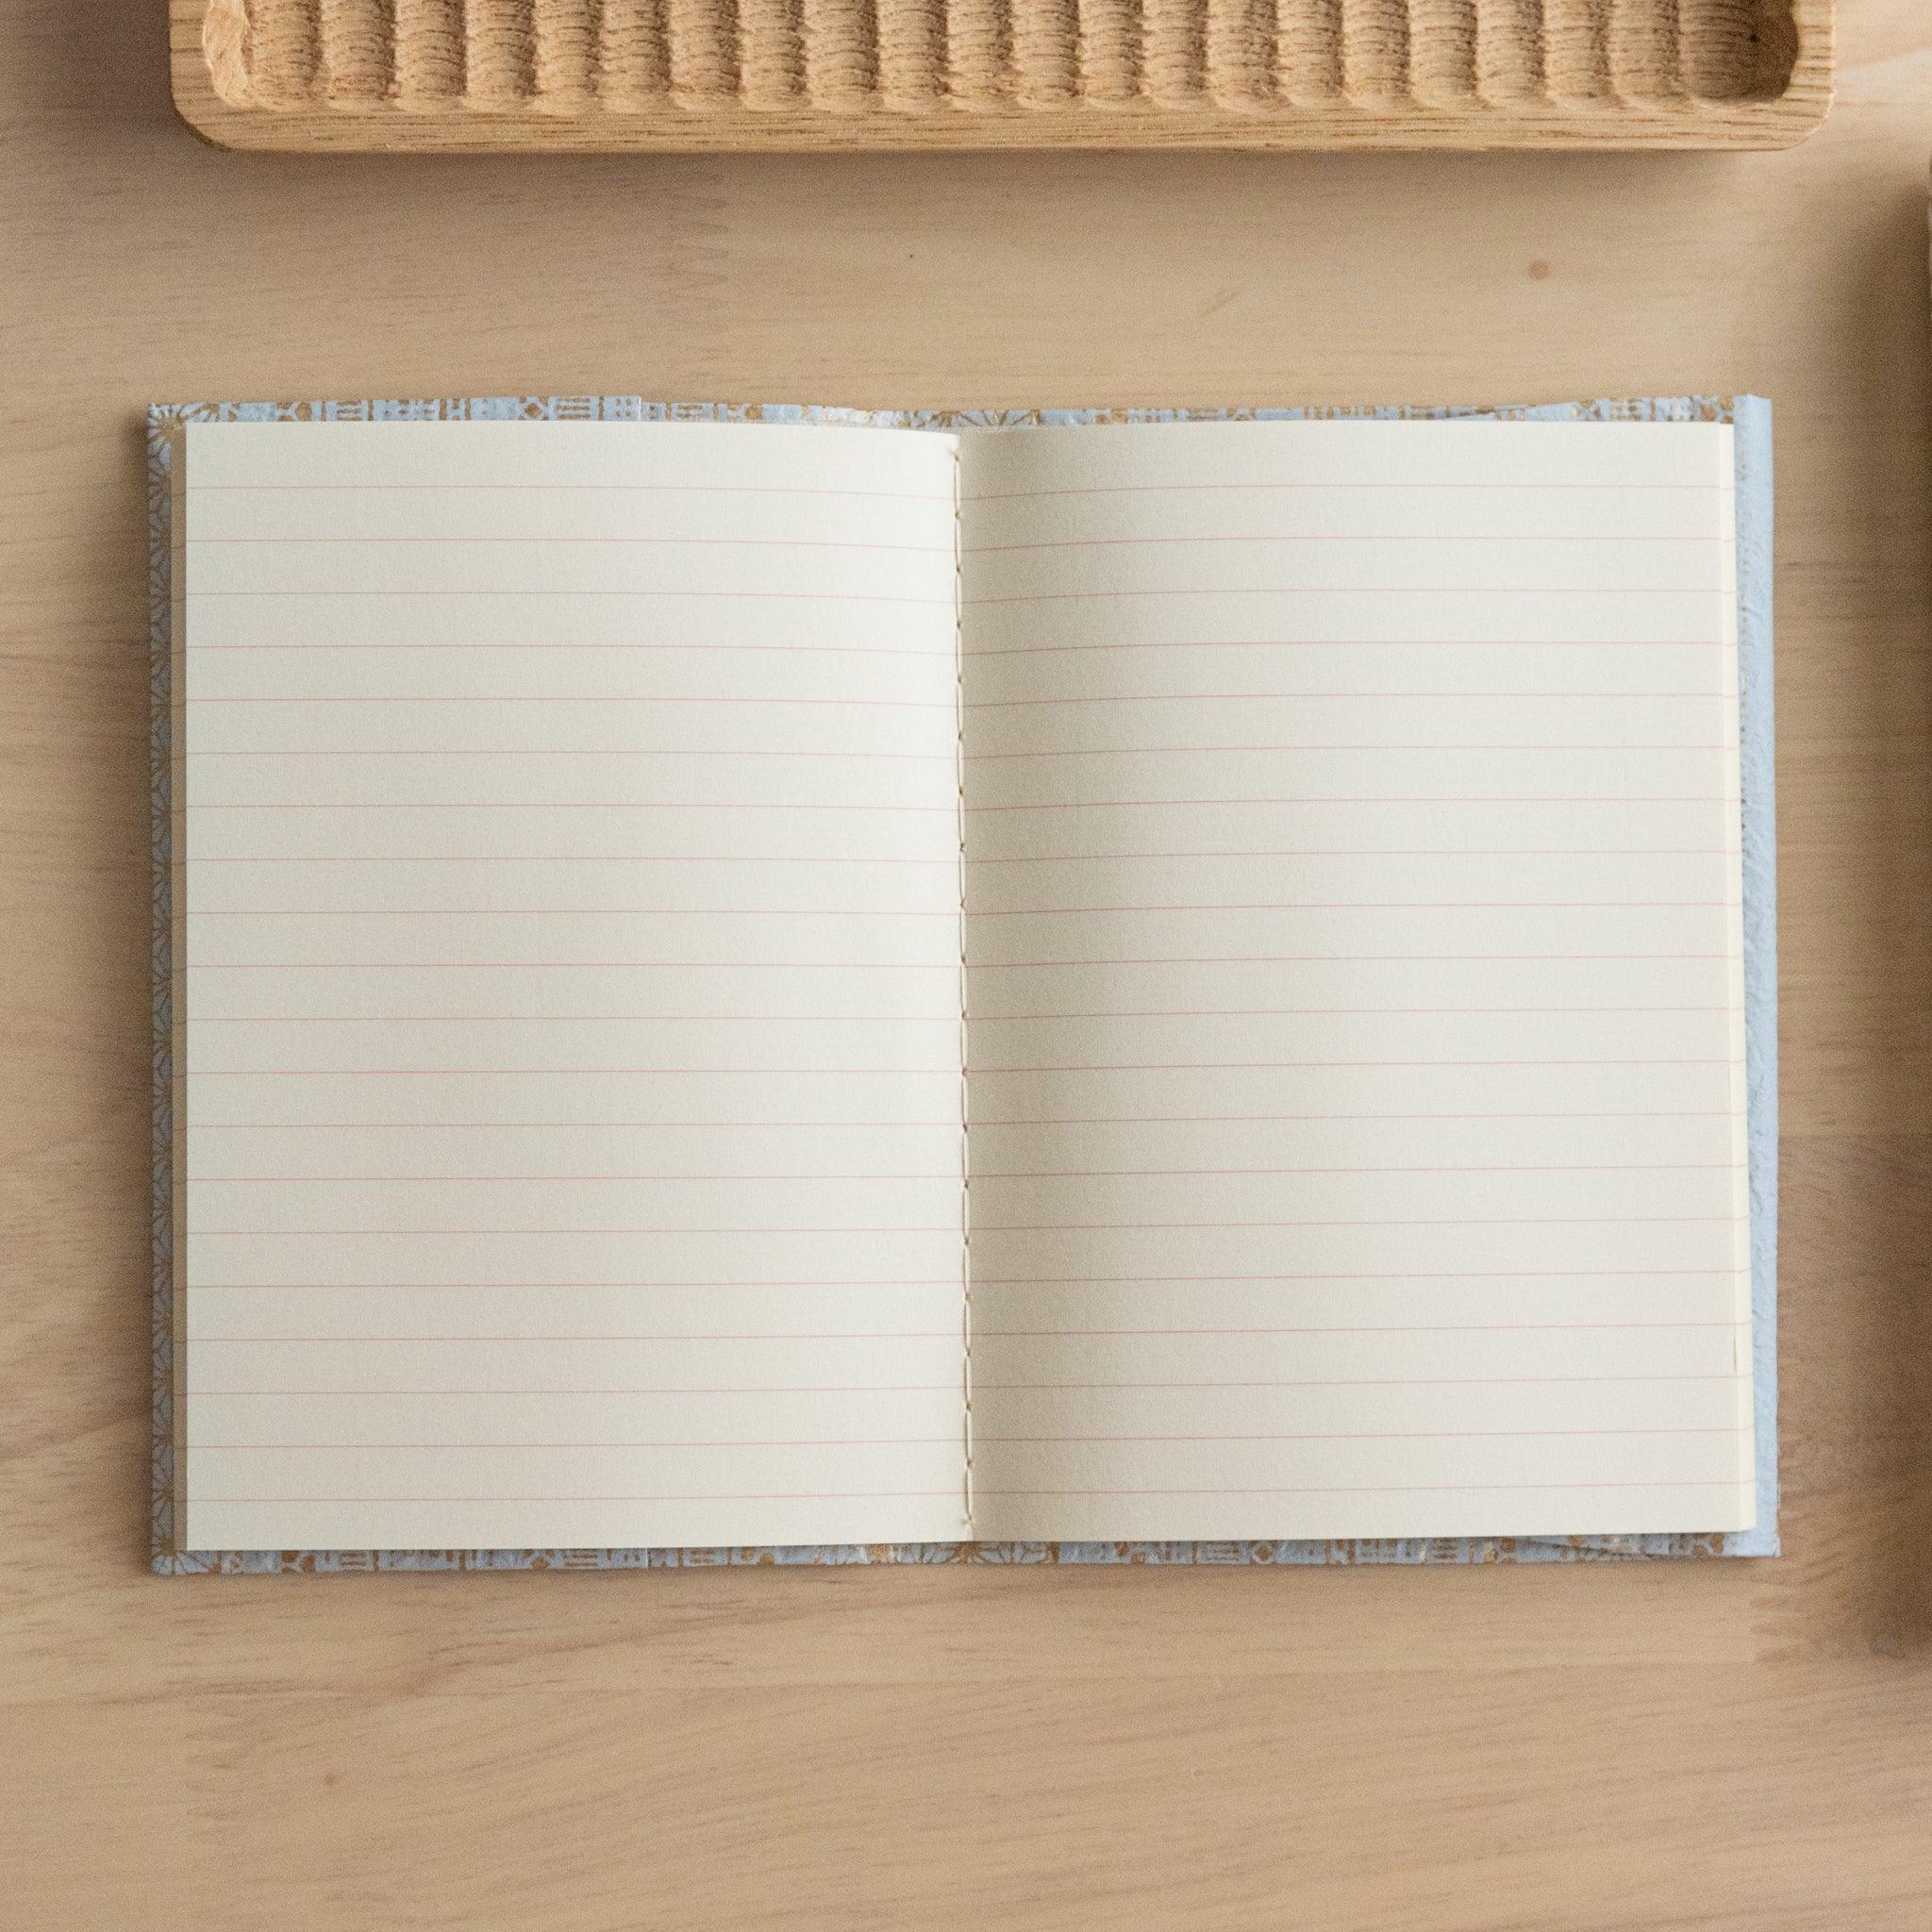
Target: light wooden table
{"points": [[1743, 1746]]}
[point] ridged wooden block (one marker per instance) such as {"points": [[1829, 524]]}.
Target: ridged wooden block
{"points": [[720, 75]]}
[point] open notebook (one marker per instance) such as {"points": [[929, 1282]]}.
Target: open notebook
{"points": [[820, 984]]}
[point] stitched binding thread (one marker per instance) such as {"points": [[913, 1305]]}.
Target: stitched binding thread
{"points": [[965, 1163]]}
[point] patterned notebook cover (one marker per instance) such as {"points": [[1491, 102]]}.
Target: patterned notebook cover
{"points": [[1751, 417]]}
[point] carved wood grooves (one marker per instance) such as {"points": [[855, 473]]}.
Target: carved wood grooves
{"points": [[566, 57]]}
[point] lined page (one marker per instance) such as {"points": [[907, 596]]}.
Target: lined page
{"points": [[573, 1084], [1354, 981]]}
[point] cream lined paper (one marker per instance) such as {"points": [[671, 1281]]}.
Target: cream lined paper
{"points": [[574, 982], [1354, 981], [572, 985]]}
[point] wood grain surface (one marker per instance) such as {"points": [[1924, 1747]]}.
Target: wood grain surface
{"points": [[1706, 1747], [536, 76]]}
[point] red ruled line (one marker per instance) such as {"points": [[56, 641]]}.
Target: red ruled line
{"points": [[709, 1442], [552, 644], [761, 1072], [1406, 1274], [1141, 1227], [590, 965], [1108, 1173], [1381, 1488], [1308, 590], [429, 1502], [937, 1125], [1536, 488], [952, 912], [920, 966], [1367, 906], [1323, 1436], [1364, 852], [1285, 697], [1297, 1013], [834, 704], [555, 859], [870, 1019], [526, 806], [1341, 958], [677, 1180], [526, 1340], [1511, 798], [869, 1231], [951, 1281], [1092, 1334], [587, 752], [1589, 539], [1301, 1066], [759, 596], [904, 1019], [572, 912], [1142, 751], [790, 805], [1367, 644], [1319, 1382], [1185, 1120], [620, 489], [527, 537], [951, 1388]]}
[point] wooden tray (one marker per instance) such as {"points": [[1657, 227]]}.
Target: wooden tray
{"points": [[719, 74]]}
